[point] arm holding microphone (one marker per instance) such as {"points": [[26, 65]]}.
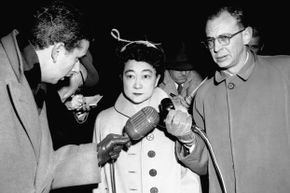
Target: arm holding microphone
{"points": [[110, 147], [137, 127], [190, 147], [179, 124]]}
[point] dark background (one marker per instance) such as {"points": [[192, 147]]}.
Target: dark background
{"points": [[157, 21]]}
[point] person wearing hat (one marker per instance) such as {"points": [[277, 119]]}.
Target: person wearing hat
{"points": [[180, 77]]}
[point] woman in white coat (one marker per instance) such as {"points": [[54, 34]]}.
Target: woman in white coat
{"points": [[149, 165]]}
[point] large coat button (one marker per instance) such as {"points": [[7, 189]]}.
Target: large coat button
{"points": [[153, 190], [152, 172], [151, 153]]}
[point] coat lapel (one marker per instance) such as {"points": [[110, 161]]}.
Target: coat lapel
{"points": [[14, 56], [20, 95]]}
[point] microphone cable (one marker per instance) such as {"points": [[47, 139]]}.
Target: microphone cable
{"points": [[112, 175], [203, 135]]}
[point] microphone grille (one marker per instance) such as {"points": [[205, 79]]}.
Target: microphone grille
{"points": [[141, 123]]}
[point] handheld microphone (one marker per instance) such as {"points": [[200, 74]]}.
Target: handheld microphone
{"points": [[141, 123], [166, 105]]}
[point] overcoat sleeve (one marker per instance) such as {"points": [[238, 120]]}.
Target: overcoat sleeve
{"points": [[197, 160], [75, 165]]}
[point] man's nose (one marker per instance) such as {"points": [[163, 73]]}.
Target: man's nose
{"points": [[216, 45]]}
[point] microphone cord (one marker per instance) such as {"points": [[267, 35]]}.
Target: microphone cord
{"points": [[112, 174], [202, 134]]}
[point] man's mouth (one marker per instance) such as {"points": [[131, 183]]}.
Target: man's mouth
{"points": [[221, 58]]}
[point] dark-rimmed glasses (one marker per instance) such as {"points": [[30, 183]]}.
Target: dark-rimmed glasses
{"points": [[224, 40]]}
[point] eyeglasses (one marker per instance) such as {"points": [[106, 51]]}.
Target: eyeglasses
{"points": [[224, 40]]}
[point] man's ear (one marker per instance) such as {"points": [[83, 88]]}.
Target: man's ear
{"points": [[247, 35], [57, 49]]}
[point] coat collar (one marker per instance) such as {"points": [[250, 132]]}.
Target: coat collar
{"points": [[26, 63], [128, 109], [244, 73], [10, 45], [32, 73], [20, 97]]}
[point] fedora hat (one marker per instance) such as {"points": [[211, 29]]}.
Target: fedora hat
{"points": [[178, 59]]}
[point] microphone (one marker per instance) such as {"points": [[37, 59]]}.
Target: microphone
{"points": [[165, 106], [141, 123]]}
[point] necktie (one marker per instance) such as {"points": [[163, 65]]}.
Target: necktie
{"points": [[179, 88]]}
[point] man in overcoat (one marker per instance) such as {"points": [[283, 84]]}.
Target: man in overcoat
{"points": [[28, 163]]}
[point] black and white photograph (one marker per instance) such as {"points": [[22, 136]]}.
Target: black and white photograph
{"points": [[144, 96]]}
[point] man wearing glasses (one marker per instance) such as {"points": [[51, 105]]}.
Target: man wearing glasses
{"points": [[243, 109]]}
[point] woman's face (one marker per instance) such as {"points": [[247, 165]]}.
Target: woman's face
{"points": [[139, 81]]}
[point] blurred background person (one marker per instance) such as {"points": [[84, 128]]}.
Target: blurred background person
{"points": [[69, 110], [256, 43], [181, 78]]}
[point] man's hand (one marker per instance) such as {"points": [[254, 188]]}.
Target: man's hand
{"points": [[180, 102], [110, 147], [178, 123]]}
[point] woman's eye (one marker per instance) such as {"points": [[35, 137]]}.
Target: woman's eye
{"points": [[129, 76], [147, 76]]}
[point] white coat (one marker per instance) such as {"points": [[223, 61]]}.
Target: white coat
{"points": [[149, 166]]}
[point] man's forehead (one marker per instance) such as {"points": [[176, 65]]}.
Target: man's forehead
{"points": [[224, 23]]}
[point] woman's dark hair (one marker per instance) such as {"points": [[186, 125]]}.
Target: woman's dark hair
{"points": [[142, 52]]}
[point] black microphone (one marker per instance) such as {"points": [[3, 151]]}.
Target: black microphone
{"points": [[141, 123], [165, 106]]}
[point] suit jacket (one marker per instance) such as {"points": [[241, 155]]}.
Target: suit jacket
{"points": [[28, 163]]}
